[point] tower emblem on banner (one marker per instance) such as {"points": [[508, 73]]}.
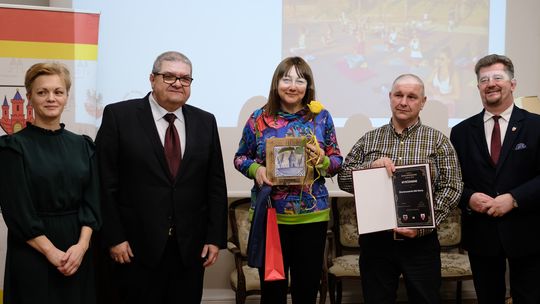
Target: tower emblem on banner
{"points": [[15, 114]]}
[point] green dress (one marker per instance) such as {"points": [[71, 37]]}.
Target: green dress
{"points": [[48, 186]]}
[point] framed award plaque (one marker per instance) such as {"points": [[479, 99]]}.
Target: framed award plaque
{"points": [[286, 161], [412, 196]]}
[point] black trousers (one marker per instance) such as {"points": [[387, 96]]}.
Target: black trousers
{"points": [[383, 260], [170, 282], [303, 252], [489, 278]]}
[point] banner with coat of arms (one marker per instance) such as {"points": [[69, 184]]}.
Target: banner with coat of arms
{"points": [[29, 35]]}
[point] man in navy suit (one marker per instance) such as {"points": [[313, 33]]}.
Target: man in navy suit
{"points": [[499, 152], [164, 194]]}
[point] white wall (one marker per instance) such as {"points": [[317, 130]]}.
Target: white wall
{"points": [[523, 45]]}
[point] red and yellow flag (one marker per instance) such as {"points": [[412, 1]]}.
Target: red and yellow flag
{"points": [[30, 34], [56, 35]]}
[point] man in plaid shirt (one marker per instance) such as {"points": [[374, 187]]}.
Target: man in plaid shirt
{"points": [[413, 253]]}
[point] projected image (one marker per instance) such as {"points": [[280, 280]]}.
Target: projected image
{"points": [[357, 47]]}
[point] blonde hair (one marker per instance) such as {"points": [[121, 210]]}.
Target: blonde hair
{"points": [[46, 68]]}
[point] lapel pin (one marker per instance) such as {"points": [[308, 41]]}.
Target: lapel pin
{"points": [[514, 129]]}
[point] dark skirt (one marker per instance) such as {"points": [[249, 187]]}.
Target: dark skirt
{"points": [[30, 278]]}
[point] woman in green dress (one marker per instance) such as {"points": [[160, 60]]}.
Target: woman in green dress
{"points": [[49, 197]]}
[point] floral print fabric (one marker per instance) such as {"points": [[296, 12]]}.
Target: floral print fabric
{"points": [[296, 199]]}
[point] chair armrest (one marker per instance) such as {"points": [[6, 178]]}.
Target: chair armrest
{"points": [[239, 260], [233, 248]]}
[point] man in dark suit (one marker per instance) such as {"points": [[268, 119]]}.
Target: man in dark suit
{"points": [[164, 194], [499, 152]]}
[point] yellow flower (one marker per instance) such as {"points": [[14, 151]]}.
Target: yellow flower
{"points": [[315, 107]]}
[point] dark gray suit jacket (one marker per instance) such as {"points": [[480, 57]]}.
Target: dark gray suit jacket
{"points": [[140, 200], [517, 172]]}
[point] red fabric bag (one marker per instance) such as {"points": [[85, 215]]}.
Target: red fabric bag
{"points": [[273, 260]]}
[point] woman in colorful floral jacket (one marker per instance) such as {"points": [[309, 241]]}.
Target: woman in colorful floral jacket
{"points": [[302, 210]]}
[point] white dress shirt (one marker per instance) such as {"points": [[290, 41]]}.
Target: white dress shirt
{"points": [[161, 124], [489, 123]]}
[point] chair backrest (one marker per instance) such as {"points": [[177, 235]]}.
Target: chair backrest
{"points": [[240, 224], [345, 227], [344, 217], [449, 231], [356, 124], [251, 105]]}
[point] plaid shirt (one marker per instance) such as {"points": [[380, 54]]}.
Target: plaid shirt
{"points": [[417, 144]]}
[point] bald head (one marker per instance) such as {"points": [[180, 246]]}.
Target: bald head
{"points": [[407, 99], [409, 79]]}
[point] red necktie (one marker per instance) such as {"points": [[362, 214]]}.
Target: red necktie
{"points": [[173, 151], [496, 140]]}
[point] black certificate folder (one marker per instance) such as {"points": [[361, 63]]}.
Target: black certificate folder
{"points": [[402, 200]]}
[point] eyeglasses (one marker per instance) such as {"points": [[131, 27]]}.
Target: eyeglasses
{"points": [[484, 80], [301, 82], [170, 79]]}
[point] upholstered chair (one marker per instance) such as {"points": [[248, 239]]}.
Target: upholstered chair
{"points": [[342, 262], [455, 264], [244, 279]]}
